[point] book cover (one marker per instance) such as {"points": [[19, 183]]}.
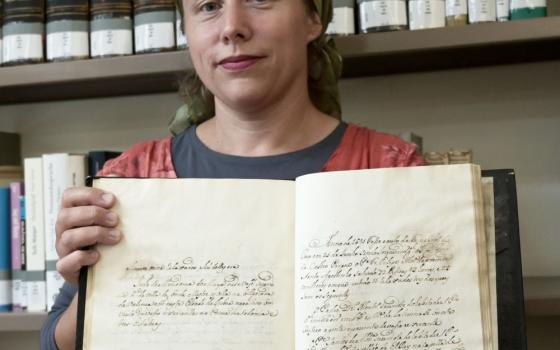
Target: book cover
{"points": [[35, 234], [96, 160]]}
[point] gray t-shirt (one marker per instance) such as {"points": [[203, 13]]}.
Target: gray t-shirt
{"points": [[193, 159]]}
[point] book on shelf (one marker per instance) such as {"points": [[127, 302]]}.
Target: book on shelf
{"points": [[60, 171], [18, 265], [351, 259], [5, 251], [96, 160], [35, 234]]}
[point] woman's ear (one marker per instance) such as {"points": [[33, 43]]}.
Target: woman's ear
{"points": [[315, 26]]}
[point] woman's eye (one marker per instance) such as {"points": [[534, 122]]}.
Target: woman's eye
{"points": [[209, 7]]}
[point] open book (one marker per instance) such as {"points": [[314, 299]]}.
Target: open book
{"points": [[390, 258]]}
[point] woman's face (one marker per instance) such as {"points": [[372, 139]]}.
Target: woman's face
{"points": [[250, 52]]}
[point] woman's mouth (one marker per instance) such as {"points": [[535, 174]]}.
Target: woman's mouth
{"points": [[237, 63]]}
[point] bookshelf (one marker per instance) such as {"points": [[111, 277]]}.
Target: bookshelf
{"points": [[450, 65], [364, 55], [21, 322]]}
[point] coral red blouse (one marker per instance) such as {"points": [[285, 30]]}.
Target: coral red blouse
{"points": [[360, 148]]}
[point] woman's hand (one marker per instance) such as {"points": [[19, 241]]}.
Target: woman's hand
{"points": [[84, 220]]}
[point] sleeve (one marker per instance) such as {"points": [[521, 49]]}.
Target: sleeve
{"points": [[61, 303], [146, 159]]}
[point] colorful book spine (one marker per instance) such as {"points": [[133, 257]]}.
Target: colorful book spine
{"points": [[5, 251], [16, 190], [24, 275], [35, 235], [60, 171]]}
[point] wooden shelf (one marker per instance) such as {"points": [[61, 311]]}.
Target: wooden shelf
{"points": [[542, 296], [22, 321], [364, 55]]}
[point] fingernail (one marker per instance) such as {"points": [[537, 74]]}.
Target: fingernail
{"points": [[112, 218], [115, 235], [107, 197], [94, 254]]}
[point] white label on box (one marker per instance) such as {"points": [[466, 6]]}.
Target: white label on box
{"points": [[67, 44], [19, 47], [502, 9], [24, 294], [16, 293], [342, 22], [1, 57], [111, 42], [36, 296], [6, 292], [482, 11], [54, 283], [521, 4], [154, 36], [455, 7], [425, 14], [382, 13]]}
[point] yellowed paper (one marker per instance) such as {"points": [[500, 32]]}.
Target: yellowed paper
{"points": [[490, 228], [204, 264], [387, 258]]}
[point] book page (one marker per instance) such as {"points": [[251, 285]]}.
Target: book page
{"points": [[387, 259], [203, 264], [490, 230]]}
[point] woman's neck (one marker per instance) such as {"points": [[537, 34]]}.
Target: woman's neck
{"points": [[286, 126]]}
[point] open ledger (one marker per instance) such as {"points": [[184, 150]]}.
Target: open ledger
{"points": [[392, 258]]}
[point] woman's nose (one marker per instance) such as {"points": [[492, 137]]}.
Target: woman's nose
{"points": [[236, 26]]}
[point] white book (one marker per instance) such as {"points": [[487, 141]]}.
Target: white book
{"points": [[60, 171], [35, 234]]}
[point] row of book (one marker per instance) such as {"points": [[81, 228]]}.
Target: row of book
{"points": [[29, 204], [80, 29], [385, 15]]}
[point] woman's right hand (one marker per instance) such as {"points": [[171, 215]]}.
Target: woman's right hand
{"points": [[84, 220]]}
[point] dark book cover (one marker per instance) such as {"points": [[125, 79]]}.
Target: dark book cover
{"points": [[96, 160], [509, 280]]}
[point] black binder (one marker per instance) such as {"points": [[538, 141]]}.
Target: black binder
{"points": [[509, 279]]}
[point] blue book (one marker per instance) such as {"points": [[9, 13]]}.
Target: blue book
{"points": [[5, 249]]}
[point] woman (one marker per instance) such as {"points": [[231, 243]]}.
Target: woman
{"points": [[266, 106]]}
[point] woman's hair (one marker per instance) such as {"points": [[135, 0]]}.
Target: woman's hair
{"points": [[324, 68]]}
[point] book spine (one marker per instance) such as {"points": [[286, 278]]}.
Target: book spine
{"points": [[23, 30], [97, 159], [24, 277], [35, 235], [67, 29], [54, 182], [16, 190], [5, 251], [60, 171]]}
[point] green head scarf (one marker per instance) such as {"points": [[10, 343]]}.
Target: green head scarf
{"points": [[324, 69]]}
